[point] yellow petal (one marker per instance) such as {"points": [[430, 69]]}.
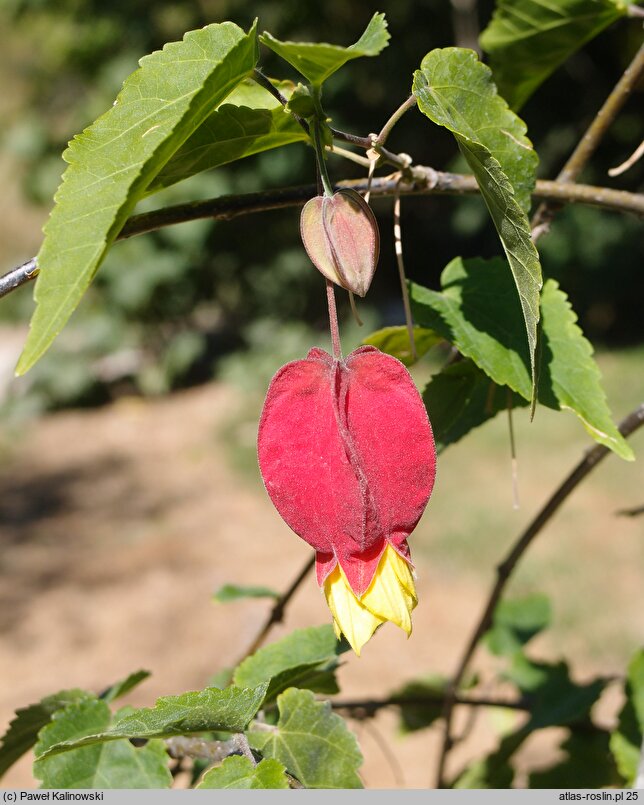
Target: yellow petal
{"points": [[391, 596], [404, 573], [392, 593], [351, 617]]}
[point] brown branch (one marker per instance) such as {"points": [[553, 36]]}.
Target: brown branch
{"points": [[594, 134], [365, 708], [276, 615], [426, 181], [504, 571]]}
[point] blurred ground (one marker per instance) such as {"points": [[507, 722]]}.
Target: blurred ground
{"points": [[117, 524]]}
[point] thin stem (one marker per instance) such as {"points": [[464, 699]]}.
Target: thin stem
{"points": [[350, 155], [265, 82], [403, 278], [276, 615], [603, 120], [333, 321], [504, 571], [395, 160], [389, 756], [513, 455], [319, 153], [385, 131], [240, 744], [354, 309], [368, 707], [637, 154], [426, 182], [593, 136]]}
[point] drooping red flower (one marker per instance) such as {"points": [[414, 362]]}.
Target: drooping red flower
{"points": [[347, 456]]}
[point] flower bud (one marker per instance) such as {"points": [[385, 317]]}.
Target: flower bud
{"points": [[340, 235]]}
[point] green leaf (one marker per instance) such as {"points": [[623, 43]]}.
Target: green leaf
{"points": [[554, 699], [312, 742], [114, 160], [460, 398], [233, 592], [228, 710], [571, 372], [306, 658], [23, 730], [528, 39], [489, 772], [626, 740], [479, 313], [115, 765], [239, 772], [318, 61], [461, 114], [587, 764], [124, 686], [395, 341], [251, 121], [455, 90], [516, 622], [418, 714]]}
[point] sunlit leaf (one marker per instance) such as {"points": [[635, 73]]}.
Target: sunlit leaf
{"points": [[478, 311], [211, 709], [441, 87], [457, 91], [240, 772], [28, 721], [113, 161], [249, 122], [306, 658], [124, 686], [318, 61], [117, 764], [312, 742]]}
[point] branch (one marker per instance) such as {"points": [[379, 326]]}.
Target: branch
{"points": [[592, 458], [604, 118], [426, 181], [18, 276], [593, 136], [365, 708], [276, 615]]}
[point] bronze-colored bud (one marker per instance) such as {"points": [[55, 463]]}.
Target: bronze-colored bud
{"points": [[340, 235]]}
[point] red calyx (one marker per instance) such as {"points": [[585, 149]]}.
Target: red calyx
{"points": [[347, 456]]}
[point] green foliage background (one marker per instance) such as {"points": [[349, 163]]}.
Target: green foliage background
{"points": [[169, 305]]}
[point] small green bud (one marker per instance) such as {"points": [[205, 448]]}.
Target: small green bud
{"points": [[301, 102], [340, 235]]}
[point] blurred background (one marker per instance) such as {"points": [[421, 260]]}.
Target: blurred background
{"points": [[124, 510]]}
